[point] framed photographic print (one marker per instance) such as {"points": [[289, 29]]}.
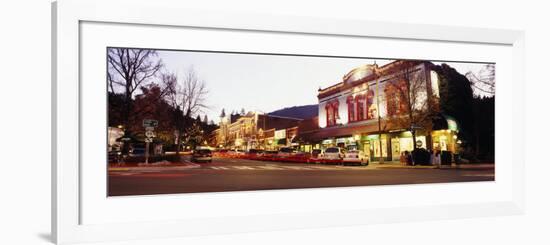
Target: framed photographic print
{"points": [[211, 123]]}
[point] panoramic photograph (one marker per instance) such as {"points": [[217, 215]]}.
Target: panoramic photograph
{"points": [[192, 121]]}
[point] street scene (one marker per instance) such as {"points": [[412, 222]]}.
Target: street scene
{"points": [[194, 121], [229, 174]]}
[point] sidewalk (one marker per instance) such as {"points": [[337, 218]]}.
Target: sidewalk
{"points": [[452, 166]]}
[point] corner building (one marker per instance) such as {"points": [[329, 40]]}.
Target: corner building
{"points": [[369, 110]]}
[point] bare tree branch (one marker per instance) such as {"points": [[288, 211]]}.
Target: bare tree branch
{"points": [[130, 69], [484, 80]]}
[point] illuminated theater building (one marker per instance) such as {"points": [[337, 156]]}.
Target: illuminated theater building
{"points": [[367, 111]]}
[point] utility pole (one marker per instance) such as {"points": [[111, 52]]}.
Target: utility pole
{"points": [[381, 159]]}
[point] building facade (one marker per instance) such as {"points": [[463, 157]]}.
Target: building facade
{"points": [[255, 131], [378, 109]]}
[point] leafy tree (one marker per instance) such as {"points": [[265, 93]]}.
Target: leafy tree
{"points": [[456, 100], [484, 137]]}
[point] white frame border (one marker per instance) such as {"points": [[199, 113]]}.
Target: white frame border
{"points": [[66, 16]]}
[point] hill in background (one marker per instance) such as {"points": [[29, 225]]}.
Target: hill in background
{"points": [[302, 112]]}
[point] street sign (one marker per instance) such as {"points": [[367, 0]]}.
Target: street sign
{"points": [[150, 123]]}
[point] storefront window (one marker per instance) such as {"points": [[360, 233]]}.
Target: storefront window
{"points": [[406, 144], [443, 142], [376, 147], [395, 149]]}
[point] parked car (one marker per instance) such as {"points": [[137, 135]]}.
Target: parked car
{"points": [[268, 155], [300, 156], [202, 155], [235, 153], [220, 152], [355, 157], [332, 155], [137, 152], [315, 156], [285, 152], [254, 152]]}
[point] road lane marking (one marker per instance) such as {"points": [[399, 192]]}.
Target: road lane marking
{"points": [[219, 168]]}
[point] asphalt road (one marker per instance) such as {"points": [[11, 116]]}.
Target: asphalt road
{"points": [[239, 174]]}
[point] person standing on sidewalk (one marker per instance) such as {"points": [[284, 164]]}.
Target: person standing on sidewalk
{"points": [[408, 158], [437, 159]]}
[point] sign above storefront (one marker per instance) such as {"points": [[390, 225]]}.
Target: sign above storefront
{"points": [[280, 134]]}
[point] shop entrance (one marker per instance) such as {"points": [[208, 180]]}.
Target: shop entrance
{"points": [[395, 149], [367, 149]]}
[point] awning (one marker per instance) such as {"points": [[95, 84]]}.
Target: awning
{"points": [[442, 122]]}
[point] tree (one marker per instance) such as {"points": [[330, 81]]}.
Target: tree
{"points": [[189, 96], [484, 80], [194, 135], [408, 103], [128, 70], [193, 93], [222, 115], [242, 112], [456, 100], [205, 119], [484, 125], [147, 105]]}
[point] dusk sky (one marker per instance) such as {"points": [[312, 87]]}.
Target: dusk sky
{"points": [[265, 83]]}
